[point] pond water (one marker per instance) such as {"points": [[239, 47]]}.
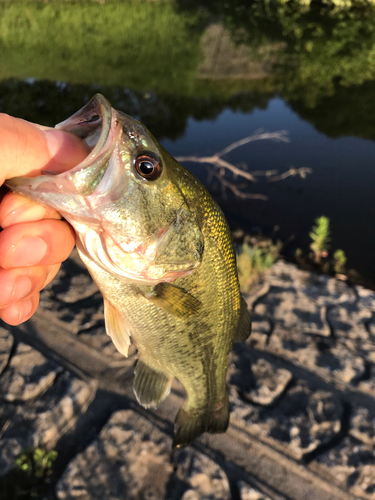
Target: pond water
{"points": [[203, 75]]}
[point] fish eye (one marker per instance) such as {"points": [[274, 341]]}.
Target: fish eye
{"points": [[148, 167]]}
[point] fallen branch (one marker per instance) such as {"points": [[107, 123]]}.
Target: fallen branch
{"points": [[236, 189], [302, 172], [221, 166]]}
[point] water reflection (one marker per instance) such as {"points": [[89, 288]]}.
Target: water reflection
{"points": [[165, 114], [311, 47]]}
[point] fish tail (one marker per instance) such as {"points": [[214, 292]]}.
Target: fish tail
{"points": [[193, 422]]}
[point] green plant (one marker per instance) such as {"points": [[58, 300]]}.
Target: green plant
{"points": [[298, 254], [339, 261], [255, 256], [36, 462], [320, 236]]}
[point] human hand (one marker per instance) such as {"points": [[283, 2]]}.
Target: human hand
{"points": [[34, 240]]}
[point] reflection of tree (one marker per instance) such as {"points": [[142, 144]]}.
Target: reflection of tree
{"points": [[349, 111], [317, 45], [166, 115]]}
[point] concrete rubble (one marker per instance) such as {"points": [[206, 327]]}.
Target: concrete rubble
{"points": [[302, 396]]}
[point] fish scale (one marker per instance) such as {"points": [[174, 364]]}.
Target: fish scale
{"points": [[160, 250]]}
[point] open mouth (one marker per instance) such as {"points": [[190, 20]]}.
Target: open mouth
{"points": [[94, 124]]}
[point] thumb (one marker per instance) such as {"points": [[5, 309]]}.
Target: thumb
{"points": [[26, 149]]}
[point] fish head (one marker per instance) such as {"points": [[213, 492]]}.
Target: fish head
{"points": [[129, 201]]}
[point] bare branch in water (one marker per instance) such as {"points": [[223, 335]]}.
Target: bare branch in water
{"points": [[302, 172], [220, 166], [236, 189], [280, 136]]}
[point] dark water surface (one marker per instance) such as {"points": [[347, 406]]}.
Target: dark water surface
{"points": [[202, 77], [341, 185]]}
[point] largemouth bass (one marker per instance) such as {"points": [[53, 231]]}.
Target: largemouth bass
{"points": [[161, 253]]}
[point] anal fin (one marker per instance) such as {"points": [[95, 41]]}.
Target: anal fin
{"points": [[190, 424], [244, 324], [150, 386], [116, 328]]}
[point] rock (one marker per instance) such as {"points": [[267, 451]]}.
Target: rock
{"points": [[28, 375], [299, 299], [322, 289], [255, 378], [341, 363], [77, 316], [98, 339], [75, 282], [293, 345], [368, 385], [366, 298], [131, 459], [73, 298], [41, 422], [326, 357], [6, 344], [292, 308], [304, 419], [362, 425], [247, 492], [350, 464], [349, 324], [260, 331]]}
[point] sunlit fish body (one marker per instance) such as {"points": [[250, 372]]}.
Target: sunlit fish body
{"points": [[160, 251]]}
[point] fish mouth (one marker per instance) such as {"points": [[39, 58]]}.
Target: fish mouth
{"points": [[96, 124]]}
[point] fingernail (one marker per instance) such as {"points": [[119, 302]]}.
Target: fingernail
{"points": [[28, 252], [24, 308], [22, 288], [24, 214], [54, 141]]}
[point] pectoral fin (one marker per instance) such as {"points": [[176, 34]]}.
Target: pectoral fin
{"points": [[150, 386], [116, 328], [244, 324], [174, 300]]}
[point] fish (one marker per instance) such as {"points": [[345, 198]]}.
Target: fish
{"points": [[160, 251]]}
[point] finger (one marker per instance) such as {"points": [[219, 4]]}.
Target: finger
{"points": [[20, 311], [15, 208], [45, 242], [21, 282], [26, 149]]}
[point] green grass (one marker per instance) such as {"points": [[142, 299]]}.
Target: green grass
{"points": [[134, 43], [256, 256]]}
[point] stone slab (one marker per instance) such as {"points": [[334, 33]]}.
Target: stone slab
{"points": [[131, 459], [254, 378], [28, 375], [304, 419], [351, 465]]}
